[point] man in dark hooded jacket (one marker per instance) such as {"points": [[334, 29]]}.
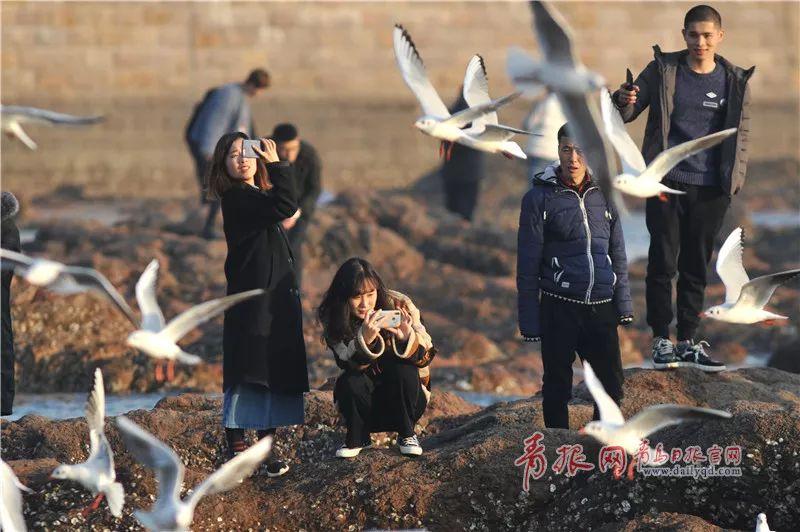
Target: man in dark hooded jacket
{"points": [[9, 207], [571, 252]]}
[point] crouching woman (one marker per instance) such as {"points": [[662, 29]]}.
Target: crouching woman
{"points": [[385, 385]]}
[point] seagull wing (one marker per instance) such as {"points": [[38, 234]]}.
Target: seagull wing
{"points": [[553, 34], [188, 320], [233, 471], [91, 278], [586, 125], [756, 293], [729, 265], [669, 159], [11, 517], [655, 418], [521, 68], [154, 454], [96, 410], [152, 317], [609, 411], [13, 260], [470, 114], [45, 116], [632, 160], [413, 70], [490, 133], [23, 137], [476, 89]]}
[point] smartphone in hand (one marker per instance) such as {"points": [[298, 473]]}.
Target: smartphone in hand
{"points": [[388, 319], [247, 148]]}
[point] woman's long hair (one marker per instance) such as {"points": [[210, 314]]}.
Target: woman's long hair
{"points": [[352, 278], [217, 180]]}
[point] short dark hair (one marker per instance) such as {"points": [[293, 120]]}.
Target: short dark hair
{"points": [[258, 78], [702, 13], [284, 133], [563, 131]]}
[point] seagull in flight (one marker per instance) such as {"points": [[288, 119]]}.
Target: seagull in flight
{"points": [[63, 279], [11, 518], [576, 87], [169, 511], [486, 131], [637, 178], [437, 120], [159, 339], [97, 473], [11, 116], [744, 298], [613, 430]]}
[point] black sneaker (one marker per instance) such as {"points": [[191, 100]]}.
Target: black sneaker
{"points": [[663, 352], [693, 355], [276, 468]]}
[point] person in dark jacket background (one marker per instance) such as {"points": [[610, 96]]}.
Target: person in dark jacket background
{"points": [[385, 385], [264, 354], [224, 108], [690, 93], [307, 168], [571, 253], [462, 174], [9, 207]]}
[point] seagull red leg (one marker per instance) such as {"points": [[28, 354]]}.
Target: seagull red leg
{"points": [[170, 370], [93, 506], [159, 372], [450, 150], [630, 468]]}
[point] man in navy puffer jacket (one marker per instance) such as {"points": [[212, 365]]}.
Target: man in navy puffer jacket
{"points": [[570, 249]]}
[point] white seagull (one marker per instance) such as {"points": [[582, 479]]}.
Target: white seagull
{"points": [[159, 339], [612, 429], [761, 523], [744, 298], [11, 116], [97, 473], [576, 87], [637, 178], [11, 518], [63, 279], [486, 131], [437, 120], [170, 512]]}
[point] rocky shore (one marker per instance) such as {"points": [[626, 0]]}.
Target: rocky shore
{"points": [[466, 480]]}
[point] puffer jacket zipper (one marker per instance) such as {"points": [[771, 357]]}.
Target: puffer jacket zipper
{"points": [[588, 298]]}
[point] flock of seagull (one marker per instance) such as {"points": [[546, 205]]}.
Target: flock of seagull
{"points": [[596, 126]]}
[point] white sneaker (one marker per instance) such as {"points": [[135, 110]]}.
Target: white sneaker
{"points": [[348, 452], [410, 446]]}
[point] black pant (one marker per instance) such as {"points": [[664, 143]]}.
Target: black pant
{"points": [[461, 197], [682, 232], [391, 401], [201, 167], [589, 330], [297, 236], [7, 349]]}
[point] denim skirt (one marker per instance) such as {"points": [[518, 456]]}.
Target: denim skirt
{"points": [[252, 406]]}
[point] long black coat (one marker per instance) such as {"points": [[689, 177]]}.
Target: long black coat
{"points": [[10, 240], [263, 337]]}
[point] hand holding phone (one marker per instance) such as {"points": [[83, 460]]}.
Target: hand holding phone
{"points": [[388, 319], [248, 148]]}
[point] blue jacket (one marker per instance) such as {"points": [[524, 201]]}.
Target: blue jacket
{"points": [[571, 247], [225, 110]]}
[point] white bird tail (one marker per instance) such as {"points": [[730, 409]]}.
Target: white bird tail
{"points": [[513, 149], [187, 358], [115, 495]]}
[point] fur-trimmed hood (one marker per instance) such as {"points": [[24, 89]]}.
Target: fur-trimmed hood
{"points": [[9, 205]]}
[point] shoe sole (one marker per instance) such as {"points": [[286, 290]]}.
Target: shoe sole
{"points": [[681, 364], [410, 452], [349, 454], [283, 471]]}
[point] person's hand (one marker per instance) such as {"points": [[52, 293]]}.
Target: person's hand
{"points": [[625, 320], [268, 151], [402, 331], [370, 328], [531, 339], [627, 94], [288, 223]]}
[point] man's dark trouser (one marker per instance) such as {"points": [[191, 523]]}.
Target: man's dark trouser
{"points": [[7, 349], [297, 236], [589, 330], [201, 167], [392, 401], [682, 232], [461, 197]]}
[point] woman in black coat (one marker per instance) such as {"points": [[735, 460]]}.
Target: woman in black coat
{"points": [[264, 355]]}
